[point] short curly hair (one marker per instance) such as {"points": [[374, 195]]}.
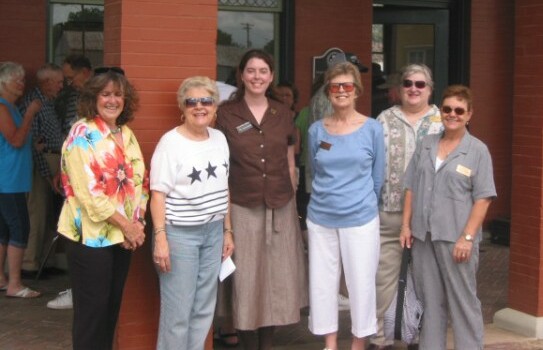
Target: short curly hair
{"points": [[9, 71], [89, 96], [197, 82]]}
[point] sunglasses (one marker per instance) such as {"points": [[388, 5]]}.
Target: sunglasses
{"points": [[457, 110], [205, 101], [334, 87], [103, 70], [419, 84]]}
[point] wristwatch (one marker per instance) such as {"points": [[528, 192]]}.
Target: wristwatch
{"points": [[142, 220], [468, 237]]}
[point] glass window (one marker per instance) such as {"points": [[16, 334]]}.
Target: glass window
{"points": [[76, 27], [244, 25]]}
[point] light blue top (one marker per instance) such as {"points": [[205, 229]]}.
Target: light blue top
{"points": [[347, 173], [16, 169]]}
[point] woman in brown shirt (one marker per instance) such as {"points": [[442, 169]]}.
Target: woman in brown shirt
{"points": [[267, 290]]}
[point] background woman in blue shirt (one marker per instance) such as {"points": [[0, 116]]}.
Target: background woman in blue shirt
{"points": [[346, 151]]}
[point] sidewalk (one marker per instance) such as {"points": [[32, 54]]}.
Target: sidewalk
{"points": [[29, 325]]}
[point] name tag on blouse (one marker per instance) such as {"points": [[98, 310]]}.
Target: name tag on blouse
{"points": [[463, 170], [244, 127], [325, 145]]}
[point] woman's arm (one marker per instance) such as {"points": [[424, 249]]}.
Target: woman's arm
{"points": [[228, 244], [16, 136], [406, 238], [161, 250], [463, 248], [292, 167]]}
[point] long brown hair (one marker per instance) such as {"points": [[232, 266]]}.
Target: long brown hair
{"points": [[254, 53]]}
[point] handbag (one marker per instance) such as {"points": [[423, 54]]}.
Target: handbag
{"points": [[403, 318]]}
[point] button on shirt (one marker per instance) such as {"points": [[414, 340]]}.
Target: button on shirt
{"points": [[259, 169], [442, 199], [46, 125]]}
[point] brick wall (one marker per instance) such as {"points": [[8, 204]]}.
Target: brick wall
{"points": [[22, 34], [158, 45], [491, 71], [525, 273], [322, 24]]}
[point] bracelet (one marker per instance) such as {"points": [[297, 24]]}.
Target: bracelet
{"points": [[226, 230], [159, 229]]}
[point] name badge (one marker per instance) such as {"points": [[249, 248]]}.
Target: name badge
{"points": [[325, 145], [463, 170], [244, 127], [435, 119]]}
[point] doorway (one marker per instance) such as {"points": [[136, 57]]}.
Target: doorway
{"points": [[404, 36]]}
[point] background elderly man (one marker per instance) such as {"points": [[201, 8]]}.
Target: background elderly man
{"points": [[43, 200]]}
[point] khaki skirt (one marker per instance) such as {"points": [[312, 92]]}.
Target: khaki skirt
{"points": [[269, 285]]}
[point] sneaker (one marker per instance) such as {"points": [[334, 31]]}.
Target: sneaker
{"points": [[343, 303], [62, 301]]}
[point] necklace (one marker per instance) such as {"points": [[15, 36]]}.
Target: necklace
{"points": [[116, 130]]}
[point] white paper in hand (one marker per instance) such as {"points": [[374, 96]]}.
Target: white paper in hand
{"points": [[227, 267]]}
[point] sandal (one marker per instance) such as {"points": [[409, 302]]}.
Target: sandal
{"points": [[229, 340], [25, 293]]}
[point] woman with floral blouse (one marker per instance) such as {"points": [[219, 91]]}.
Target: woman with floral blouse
{"points": [[106, 189]]}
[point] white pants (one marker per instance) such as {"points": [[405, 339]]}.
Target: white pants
{"points": [[358, 249]]}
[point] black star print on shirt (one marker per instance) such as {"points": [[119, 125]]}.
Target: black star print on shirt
{"points": [[195, 175], [225, 165], [210, 170]]}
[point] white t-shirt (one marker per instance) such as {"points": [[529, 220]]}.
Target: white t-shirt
{"points": [[194, 177]]}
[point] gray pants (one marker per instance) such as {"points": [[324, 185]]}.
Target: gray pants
{"points": [[447, 288]]}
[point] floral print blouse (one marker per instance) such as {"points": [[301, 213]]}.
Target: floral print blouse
{"points": [[99, 177], [401, 139]]}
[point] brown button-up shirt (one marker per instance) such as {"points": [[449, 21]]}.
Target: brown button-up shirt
{"points": [[259, 170]]}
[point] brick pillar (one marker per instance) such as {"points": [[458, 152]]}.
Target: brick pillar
{"points": [[158, 44], [525, 313]]}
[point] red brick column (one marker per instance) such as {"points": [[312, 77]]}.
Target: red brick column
{"points": [[158, 44], [525, 281], [526, 268]]}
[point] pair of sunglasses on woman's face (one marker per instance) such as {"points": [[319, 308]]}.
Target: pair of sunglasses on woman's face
{"points": [[419, 84], [103, 70], [204, 101], [457, 110], [335, 87]]}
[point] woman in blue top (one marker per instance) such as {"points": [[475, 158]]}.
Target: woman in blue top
{"points": [[347, 155], [15, 178]]}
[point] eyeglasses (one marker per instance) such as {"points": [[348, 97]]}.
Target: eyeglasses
{"points": [[102, 70], [419, 84], [205, 101], [457, 110], [334, 87]]}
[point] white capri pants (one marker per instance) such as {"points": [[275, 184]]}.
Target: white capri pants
{"points": [[358, 249]]}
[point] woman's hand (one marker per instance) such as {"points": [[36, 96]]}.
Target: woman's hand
{"points": [[228, 245], [462, 250], [406, 238], [161, 252], [133, 235]]}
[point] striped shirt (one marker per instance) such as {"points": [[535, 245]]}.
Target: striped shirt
{"points": [[194, 177]]}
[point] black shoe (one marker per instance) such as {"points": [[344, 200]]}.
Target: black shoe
{"points": [[29, 274]]}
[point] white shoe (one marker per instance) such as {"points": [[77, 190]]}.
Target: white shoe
{"points": [[62, 301], [343, 303]]}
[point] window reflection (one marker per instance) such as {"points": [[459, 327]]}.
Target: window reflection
{"points": [[238, 32], [77, 29]]}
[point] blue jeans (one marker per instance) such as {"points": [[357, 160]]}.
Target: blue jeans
{"points": [[188, 293], [14, 221]]}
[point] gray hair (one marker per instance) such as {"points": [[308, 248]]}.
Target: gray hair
{"points": [[47, 70], [418, 68], [197, 82], [9, 71]]}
